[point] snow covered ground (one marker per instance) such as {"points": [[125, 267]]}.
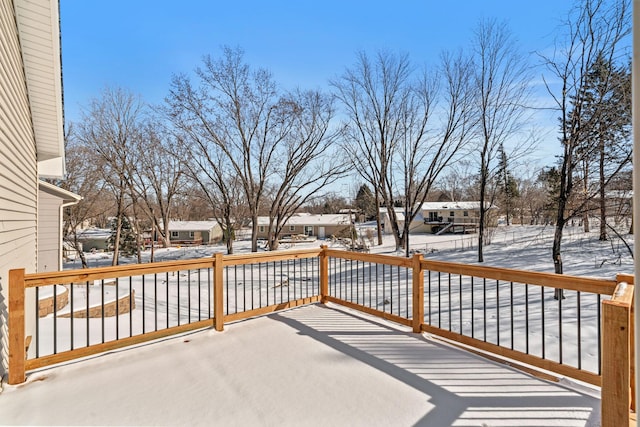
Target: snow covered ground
{"points": [[520, 247]]}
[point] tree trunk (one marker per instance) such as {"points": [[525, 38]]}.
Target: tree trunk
{"points": [[481, 225], [585, 222], [116, 241], [228, 238], [405, 233], [378, 221], [76, 246], [254, 232], [603, 205], [557, 246], [585, 189]]}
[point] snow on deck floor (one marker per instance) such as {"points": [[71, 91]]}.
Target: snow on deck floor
{"points": [[312, 365]]}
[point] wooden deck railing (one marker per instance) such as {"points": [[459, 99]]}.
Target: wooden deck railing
{"points": [[500, 311]]}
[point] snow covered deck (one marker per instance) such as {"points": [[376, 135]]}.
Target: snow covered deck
{"points": [[312, 365]]}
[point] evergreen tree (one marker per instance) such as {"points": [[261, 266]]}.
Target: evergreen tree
{"points": [[507, 185], [127, 239], [366, 202], [606, 126]]}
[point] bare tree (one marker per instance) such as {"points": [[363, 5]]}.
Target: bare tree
{"points": [[594, 28], [109, 127], [501, 82], [307, 165], [81, 178], [391, 139], [218, 185], [267, 139], [157, 166]]}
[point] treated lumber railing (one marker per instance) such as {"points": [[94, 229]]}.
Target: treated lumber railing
{"points": [[618, 367], [494, 310]]}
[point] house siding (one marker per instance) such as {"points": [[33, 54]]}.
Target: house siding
{"points": [[18, 167], [49, 237]]}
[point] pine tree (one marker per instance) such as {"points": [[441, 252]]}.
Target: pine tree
{"points": [[606, 125], [507, 185], [366, 202], [127, 237]]}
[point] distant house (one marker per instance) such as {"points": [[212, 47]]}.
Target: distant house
{"points": [[51, 202], [194, 232], [438, 217], [94, 239], [320, 226]]}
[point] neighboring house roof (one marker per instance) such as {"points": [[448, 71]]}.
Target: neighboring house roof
{"points": [[192, 225], [452, 206], [93, 234], [310, 219], [39, 32]]}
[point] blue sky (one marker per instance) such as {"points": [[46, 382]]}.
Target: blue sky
{"points": [[139, 44]]}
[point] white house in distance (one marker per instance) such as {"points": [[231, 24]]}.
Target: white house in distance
{"points": [[438, 217], [194, 232], [31, 137], [318, 225]]}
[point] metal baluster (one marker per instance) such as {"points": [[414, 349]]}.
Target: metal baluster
{"points": [[460, 300], [543, 340], [511, 305], [579, 331], [560, 325], [429, 295], [71, 326], [439, 300], [38, 322], [526, 315], [144, 330], [55, 321], [167, 298], [449, 299], [484, 307], [498, 312], [473, 309], [130, 306], [87, 316], [155, 298], [599, 327]]}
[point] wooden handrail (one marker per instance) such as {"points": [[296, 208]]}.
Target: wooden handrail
{"points": [[112, 272], [583, 284], [376, 258]]}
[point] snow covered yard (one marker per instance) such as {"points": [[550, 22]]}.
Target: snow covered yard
{"points": [[519, 247], [314, 365]]}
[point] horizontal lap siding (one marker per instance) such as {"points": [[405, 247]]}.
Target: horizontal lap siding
{"points": [[18, 168], [48, 232]]}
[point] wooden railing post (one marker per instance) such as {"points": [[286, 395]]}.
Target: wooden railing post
{"points": [[616, 381], [17, 348], [324, 274], [418, 293], [218, 297], [630, 279]]}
